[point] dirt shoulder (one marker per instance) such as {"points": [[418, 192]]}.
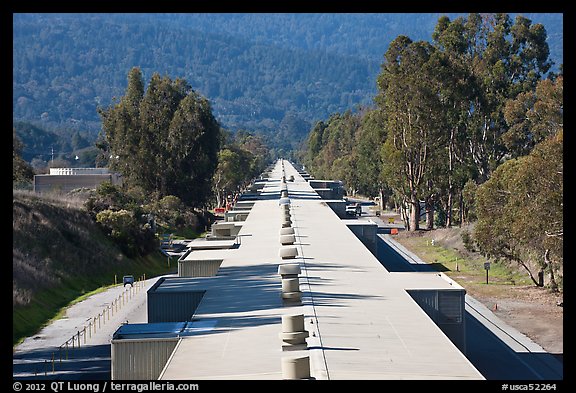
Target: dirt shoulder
{"points": [[531, 310]]}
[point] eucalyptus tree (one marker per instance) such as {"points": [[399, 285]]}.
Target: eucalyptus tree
{"points": [[163, 139], [520, 208], [369, 139], [330, 147], [520, 211], [486, 61], [314, 145], [408, 94], [457, 90], [533, 116], [228, 175], [493, 60]]}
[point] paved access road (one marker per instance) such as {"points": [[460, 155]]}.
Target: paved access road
{"points": [[39, 355]]}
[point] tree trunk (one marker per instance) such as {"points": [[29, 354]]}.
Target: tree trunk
{"points": [[514, 258], [449, 207], [462, 215], [382, 201], [218, 199], [553, 283], [414, 213], [451, 158], [404, 212], [429, 214]]}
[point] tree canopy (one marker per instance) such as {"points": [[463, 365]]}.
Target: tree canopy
{"points": [[467, 126], [163, 139]]}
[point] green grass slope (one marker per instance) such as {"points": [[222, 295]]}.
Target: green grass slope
{"points": [[58, 254]]}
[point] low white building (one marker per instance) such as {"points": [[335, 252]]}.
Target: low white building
{"points": [[62, 180]]}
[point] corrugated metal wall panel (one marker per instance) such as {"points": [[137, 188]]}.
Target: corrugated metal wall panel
{"points": [[198, 267], [428, 301], [140, 359], [446, 309], [450, 307]]}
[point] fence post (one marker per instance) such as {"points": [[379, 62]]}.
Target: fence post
{"points": [[84, 334]]}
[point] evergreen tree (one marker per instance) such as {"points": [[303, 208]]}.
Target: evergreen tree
{"points": [[533, 116], [520, 211], [163, 140], [21, 171], [414, 121]]}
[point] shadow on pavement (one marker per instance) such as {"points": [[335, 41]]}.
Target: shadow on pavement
{"points": [[89, 362]]}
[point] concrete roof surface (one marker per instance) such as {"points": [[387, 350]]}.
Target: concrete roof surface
{"points": [[361, 321]]}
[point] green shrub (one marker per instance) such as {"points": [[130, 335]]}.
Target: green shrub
{"points": [[133, 237]]}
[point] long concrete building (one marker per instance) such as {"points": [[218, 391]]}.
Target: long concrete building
{"points": [[296, 295]]}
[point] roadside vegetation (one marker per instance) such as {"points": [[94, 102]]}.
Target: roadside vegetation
{"points": [[168, 147], [445, 250], [466, 128], [59, 254]]}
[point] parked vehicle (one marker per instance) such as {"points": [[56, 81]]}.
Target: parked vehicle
{"points": [[128, 280], [354, 209]]}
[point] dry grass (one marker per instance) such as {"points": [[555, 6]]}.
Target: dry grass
{"points": [[510, 293], [58, 254], [464, 266], [53, 239]]}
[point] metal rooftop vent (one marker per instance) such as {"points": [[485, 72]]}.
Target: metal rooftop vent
{"points": [[287, 231], [296, 367], [291, 290], [289, 270], [287, 239], [293, 333], [288, 252]]}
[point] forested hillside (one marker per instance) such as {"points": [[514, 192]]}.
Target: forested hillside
{"points": [[261, 72]]}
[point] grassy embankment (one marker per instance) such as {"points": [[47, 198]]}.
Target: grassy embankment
{"points": [[444, 248], [448, 254], [59, 255]]}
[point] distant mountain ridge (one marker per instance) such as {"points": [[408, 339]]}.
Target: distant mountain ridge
{"points": [[256, 69]]}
